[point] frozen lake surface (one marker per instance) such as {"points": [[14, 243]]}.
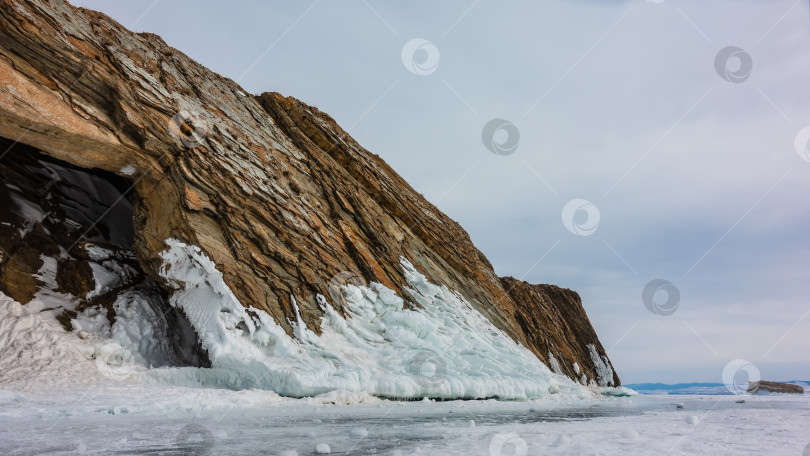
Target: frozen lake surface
{"points": [[153, 420]]}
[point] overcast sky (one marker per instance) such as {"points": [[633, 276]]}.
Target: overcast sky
{"points": [[685, 150]]}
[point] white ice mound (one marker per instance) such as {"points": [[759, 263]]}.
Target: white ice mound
{"points": [[443, 348], [35, 355]]}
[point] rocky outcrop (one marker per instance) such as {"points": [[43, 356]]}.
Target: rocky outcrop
{"points": [[280, 197], [567, 339], [774, 387]]}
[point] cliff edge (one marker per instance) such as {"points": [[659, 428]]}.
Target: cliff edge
{"points": [[279, 197]]}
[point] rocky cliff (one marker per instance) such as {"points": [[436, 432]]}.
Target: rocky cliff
{"points": [[134, 143], [764, 387]]}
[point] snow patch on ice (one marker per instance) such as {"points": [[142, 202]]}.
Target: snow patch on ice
{"points": [[615, 391], [440, 348]]}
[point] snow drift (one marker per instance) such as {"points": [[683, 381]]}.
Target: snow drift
{"points": [[436, 346], [441, 348]]}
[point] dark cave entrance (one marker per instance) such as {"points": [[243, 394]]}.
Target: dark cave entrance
{"points": [[66, 247], [74, 205]]}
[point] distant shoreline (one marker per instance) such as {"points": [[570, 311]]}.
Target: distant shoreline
{"points": [[700, 388]]}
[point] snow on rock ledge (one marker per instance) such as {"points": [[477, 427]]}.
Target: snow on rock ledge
{"points": [[444, 348]]}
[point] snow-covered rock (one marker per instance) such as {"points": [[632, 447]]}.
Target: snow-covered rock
{"points": [[442, 347]]}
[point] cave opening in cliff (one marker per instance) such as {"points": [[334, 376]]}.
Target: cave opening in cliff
{"points": [[67, 250]]}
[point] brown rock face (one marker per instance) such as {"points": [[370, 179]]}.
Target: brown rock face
{"points": [[280, 197], [774, 387], [556, 325]]}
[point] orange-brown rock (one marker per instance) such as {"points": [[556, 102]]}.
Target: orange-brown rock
{"points": [[763, 386], [277, 194], [567, 330]]}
